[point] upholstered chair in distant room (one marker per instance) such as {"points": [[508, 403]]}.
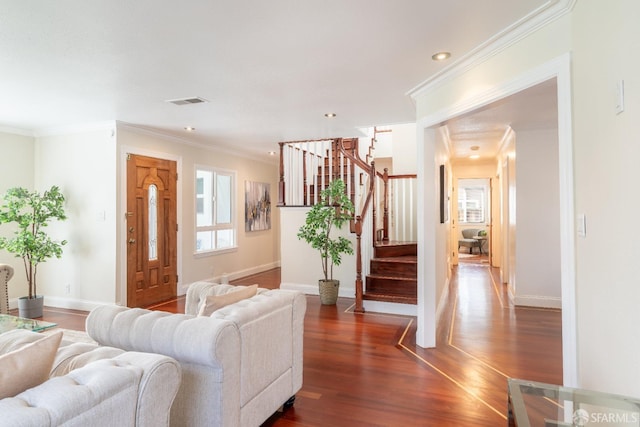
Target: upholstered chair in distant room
{"points": [[468, 240], [6, 273]]}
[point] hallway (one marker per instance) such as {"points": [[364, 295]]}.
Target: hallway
{"points": [[367, 370]]}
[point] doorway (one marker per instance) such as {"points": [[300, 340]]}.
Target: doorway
{"points": [[471, 225], [151, 224], [428, 138]]}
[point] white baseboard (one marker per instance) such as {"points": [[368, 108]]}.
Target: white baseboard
{"points": [[345, 292], [538, 301], [390, 308], [59, 302]]}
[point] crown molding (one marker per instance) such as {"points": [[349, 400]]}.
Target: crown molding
{"points": [[538, 18], [16, 131], [183, 141], [73, 129]]}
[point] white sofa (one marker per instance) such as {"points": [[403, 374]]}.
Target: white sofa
{"points": [[239, 366], [93, 386]]}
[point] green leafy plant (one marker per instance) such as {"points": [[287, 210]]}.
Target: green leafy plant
{"points": [[332, 211], [32, 211]]}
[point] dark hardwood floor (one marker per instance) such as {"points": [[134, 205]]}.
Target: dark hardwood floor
{"points": [[365, 369]]}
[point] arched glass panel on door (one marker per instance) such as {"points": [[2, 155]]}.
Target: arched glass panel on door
{"points": [[153, 222]]}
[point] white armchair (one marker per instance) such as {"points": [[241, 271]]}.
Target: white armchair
{"points": [[6, 273]]}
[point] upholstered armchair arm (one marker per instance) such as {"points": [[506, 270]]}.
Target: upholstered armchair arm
{"points": [[158, 386], [6, 273]]}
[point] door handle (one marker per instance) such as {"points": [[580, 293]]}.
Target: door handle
{"points": [[132, 241]]}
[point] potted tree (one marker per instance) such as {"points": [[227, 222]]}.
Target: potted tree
{"points": [[332, 211], [32, 212]]}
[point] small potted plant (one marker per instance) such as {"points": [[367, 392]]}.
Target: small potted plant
{"points": [[32, 212], [332, 211]]}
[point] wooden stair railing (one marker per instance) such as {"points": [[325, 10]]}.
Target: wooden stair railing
{"points": [[320, 161], [306, 168]]}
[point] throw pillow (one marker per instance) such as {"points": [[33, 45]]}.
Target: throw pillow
{"points": [[214, 302], [29, 366]]}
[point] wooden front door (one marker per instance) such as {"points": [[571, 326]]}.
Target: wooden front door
{"points": [[151, 230]]}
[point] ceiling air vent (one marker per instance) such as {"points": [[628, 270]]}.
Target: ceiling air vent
{"points": [[187, 101]]}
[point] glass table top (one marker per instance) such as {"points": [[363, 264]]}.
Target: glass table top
{"points": [[9, 323], [538, 404]]}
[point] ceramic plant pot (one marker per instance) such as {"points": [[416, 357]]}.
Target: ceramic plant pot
{"points": [[30, 308]]}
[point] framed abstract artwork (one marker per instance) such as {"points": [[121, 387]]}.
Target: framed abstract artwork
{"points": [[257, 206]]}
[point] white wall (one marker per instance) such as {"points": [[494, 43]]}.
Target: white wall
{"points": [[301, 267], [404, 149], [82, 164], [507, 185], [606, 174], [16, 170], [537, 255], [442, 241], [257, 251]]}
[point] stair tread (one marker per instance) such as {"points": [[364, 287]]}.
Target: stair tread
{"points": [[400, 259], [376, 296], [390, 277]]}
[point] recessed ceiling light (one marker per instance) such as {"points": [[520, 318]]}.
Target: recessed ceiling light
{"points": [[441, 56], [329, 115], [474, 156], [189, 128], [272, 153]]}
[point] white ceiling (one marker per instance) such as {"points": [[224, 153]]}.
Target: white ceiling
{"points": [[535, 108], [270, 69]]}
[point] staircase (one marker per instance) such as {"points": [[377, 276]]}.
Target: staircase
{"points": [[384, 221], [394, 274]]}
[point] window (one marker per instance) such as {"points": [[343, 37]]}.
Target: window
{"points": [[215, 209], [471, 204]]}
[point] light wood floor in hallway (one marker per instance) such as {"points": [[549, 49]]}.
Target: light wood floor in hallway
{"points": [[365, 369]]}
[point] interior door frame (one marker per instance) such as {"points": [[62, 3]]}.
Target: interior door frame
{"points": [[558, 68], [121, 286]]}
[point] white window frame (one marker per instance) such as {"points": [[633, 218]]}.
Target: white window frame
{"points": [[232, 225], [462, 210]]}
